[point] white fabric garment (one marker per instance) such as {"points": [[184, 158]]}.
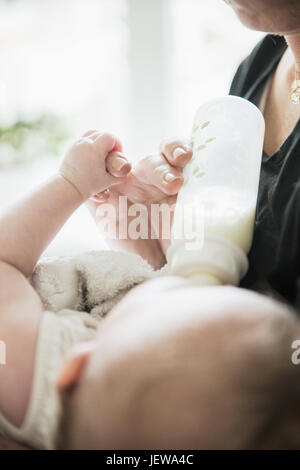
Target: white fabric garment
{"points": [[57, 334]]}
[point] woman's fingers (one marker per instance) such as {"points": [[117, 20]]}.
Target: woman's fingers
{"points": [[177, 152], [117, 165], [156, 171]]}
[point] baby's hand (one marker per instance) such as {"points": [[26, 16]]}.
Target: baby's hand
{"points": [[94, 163]]}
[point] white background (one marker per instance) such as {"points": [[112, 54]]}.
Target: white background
{"points": [[139, 68]]}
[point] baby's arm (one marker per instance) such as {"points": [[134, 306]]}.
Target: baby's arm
{"points": [[28, 227], [91, 165]]}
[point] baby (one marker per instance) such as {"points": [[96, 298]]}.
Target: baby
{"points": [[37, 341], [171, 366]]}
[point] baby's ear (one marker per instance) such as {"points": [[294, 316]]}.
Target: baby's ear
{"points": [[74, 365]]}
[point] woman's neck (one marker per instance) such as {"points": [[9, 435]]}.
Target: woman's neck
{"points": [[293, 42]]}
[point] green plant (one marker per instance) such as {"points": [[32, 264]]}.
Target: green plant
{"points": [[25, 141]]}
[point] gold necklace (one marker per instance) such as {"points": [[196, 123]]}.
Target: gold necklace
{"points": [[295, 90]]}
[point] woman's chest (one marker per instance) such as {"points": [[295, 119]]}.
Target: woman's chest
{"points": [[281, 117], [280, 113]]}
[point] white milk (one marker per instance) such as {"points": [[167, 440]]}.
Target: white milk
{"points": [[227, 213]]}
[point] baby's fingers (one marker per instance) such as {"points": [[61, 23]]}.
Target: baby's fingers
{"points": [[117, 165], [106, 142]]}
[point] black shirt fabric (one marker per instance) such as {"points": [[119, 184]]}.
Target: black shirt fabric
{"points": [[275, 254]]}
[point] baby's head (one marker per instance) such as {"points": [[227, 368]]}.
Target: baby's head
{"points": [[181, 367]]}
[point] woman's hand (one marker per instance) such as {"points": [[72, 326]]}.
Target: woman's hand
{"points": [[156, 179]]}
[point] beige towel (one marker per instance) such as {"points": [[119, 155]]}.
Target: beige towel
{"points": [[93, 282]]}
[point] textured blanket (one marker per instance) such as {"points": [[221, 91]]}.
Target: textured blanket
{"points": [[92, 282]]}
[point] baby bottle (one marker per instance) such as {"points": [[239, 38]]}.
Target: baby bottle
{"points": [[214, 217]]}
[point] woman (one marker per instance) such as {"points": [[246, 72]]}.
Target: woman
{"points": [[268, 77]]}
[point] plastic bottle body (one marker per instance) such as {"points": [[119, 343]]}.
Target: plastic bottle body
{"points": [[220, 189]]}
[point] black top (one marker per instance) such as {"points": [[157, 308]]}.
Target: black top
{"points": [[275, 253]]}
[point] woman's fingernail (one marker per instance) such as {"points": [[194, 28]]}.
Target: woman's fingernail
{"points": [[178, 152], [119, 163], [170, 178]]}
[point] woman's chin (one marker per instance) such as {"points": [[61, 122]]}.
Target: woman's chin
{"points": [[276, 25]]}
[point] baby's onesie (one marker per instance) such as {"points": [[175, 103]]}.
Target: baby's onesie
{"points": [[58, 333]]}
